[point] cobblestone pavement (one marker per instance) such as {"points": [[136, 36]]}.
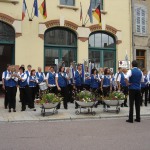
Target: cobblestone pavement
{"points": [[30, 115]]}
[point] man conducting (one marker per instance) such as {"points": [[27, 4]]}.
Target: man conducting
{"points": [[133, 80]]}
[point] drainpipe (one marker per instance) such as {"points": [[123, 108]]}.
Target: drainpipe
{"points": [[132, 20]]}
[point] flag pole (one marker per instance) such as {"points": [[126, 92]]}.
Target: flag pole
{"points": [[85, 19], [28, 14]]}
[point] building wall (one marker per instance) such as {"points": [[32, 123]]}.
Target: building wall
{"points": [[29, 47], [141, 41]]}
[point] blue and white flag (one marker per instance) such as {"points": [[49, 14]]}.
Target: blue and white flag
{"points": [[35, 5]]}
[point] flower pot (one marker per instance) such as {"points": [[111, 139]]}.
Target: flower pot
{"points": [[50, 105], [113, 102], [85, 104]]}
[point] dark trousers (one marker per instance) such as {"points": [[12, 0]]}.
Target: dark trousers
{"points": [[86, 87], [144, 90], [106, 91], [125, 91], [32, 95], [6, 100], [70, 96], [12, 97], [26, 97], [79, 88], [37, 91], [53, 90], [134, 96], [149, 92], [64, 94]]}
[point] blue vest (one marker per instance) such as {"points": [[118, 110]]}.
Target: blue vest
{"points": [[122, 81], [94, 82], [5, 81], [135, 79], [21, 83], [62, 81], [41, 77], [106, 81], [87, 81], [51, 78], [78, 79], [11, 82], [27, 73], [31, 83], [143, 84]]}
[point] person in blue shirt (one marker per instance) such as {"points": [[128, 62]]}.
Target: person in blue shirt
{"points": [[106, 86], [78, 78], [87, 81], [95, 80], [40, 76], [133, 80], [61, 83], [32, 86], [24, 89], [50, 80], [28, 72], [5, 85], [123, 86], [12, 88], [144, 87]]}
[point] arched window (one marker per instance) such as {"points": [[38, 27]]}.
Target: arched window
{"points": [[7, 46], [7, 33], [102, 50], [60, 45]]}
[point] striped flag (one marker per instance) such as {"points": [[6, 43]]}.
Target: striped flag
{"points": [[90, 12], [81, 13], [24, 8], [35, 5], [43, 10], [97, 14]]}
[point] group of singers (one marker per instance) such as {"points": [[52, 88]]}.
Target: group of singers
{"points": [[102, 81]]}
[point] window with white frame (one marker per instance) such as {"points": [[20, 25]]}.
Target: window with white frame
{"points": [[141, 19], [95, 3], [67, 2]]}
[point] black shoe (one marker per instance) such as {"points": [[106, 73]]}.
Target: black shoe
{"points": [[122, 105], [125, 105], [137, 120], [9, 110], [65, 108], [129, 121], [23, 109], [146, 105], [14, 110]]}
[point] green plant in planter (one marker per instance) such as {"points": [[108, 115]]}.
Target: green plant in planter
{"points": [[85, 96], [50, 98], [115, 96]]}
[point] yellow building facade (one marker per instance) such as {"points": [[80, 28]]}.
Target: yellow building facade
{"points": [[61, 36]]}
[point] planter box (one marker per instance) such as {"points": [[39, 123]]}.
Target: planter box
{"points": [[85, 104], [50, 105], [113, 102]]}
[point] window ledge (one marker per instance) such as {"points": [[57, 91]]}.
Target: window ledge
{"points": [[140, 35], [102, 11], [68, 7], [10, 1]]}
